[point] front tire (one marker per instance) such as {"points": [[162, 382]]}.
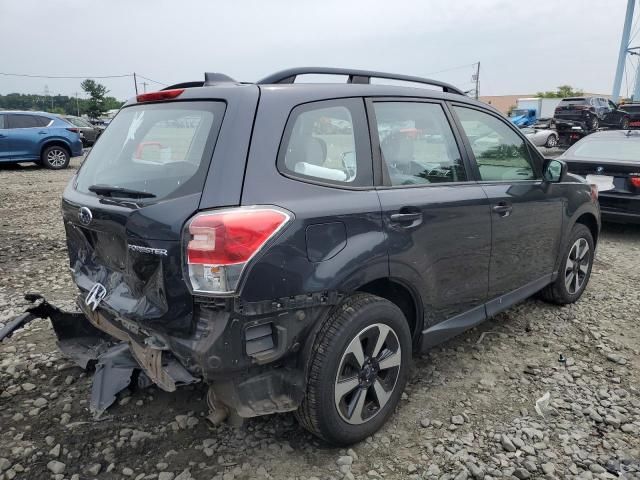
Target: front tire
{"points": [[358, 368], [624, 125], [595, 123], [55, 157], [575, 268]]}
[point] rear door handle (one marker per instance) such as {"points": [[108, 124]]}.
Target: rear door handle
{"points": [[503, 209]]}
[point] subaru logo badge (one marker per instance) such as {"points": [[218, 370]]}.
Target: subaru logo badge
{"points": [[600, 170], [95, 296], [85, 216]]}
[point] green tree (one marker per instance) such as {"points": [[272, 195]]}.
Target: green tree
{"points": [[563, 91], [97, 93]]}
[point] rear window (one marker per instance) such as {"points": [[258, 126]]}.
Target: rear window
{"points": [[626, 149], [631, 108], [162, 149], [573, 101]]}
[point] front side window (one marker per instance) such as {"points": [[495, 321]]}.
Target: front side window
{"points": [[326, 142], [417, 144], [501, 154], [160, 149]]}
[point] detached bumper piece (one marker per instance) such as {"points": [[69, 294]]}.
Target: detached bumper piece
{"points": [[117, 357]]}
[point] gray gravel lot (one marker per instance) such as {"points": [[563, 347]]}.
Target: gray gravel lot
{"points": [[468, 412]]}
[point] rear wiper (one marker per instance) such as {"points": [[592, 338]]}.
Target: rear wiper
{"points": [[111, 191]]}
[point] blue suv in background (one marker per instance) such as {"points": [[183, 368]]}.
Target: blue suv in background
{"points": [[38, 137]]}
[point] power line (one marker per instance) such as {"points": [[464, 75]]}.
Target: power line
{"points": [[453, 68], [154, 81], [64, 76]]}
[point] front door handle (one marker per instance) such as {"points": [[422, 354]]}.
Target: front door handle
{"points": [[503, 209], [406, 217]]}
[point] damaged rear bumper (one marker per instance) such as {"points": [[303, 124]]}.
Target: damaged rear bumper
{"points": [[89, 339], [250, 355]]}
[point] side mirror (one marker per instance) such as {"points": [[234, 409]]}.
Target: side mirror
{"points": [[555, 170]]}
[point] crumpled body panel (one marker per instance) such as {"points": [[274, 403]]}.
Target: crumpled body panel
{"points": [[141, 287]]}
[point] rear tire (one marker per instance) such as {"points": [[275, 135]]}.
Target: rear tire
{"points": [[575, 268], [55, 157], [552, 141], [595, 123], [357, 370]]}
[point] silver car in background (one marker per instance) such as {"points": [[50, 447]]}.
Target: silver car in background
{"points": [[541, 137]]}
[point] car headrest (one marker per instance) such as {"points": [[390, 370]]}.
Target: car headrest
{"points": [[398, 149]]}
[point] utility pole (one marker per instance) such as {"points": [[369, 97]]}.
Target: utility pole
{"points": [[622, 54], [77, 105], [144, 86], [476, 78], [135, 82], [478, 81]]}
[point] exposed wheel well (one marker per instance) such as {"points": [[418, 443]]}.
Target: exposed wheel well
{"points": [[399, 295], [590, 222], [56, 143]]}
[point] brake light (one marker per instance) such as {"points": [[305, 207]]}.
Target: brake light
{"points": [[220, 244], [594, 193], [634, 178], [74, 130], [161, 95]]}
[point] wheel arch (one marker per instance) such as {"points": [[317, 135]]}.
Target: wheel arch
{"points": [[589, 220], [403, 296], [55, 142]]}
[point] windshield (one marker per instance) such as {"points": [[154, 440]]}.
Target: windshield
{"points": [[162, 149], [626, 149], [517, 113]]}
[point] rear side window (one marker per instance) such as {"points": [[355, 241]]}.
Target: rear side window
{"points": [[28, 121], [327, 142], [417, 144], [500, 153], [163, 149]]}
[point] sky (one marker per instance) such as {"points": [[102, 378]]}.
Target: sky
{"points": [[523, 46]]}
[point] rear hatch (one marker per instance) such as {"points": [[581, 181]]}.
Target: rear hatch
{"points": [[125, 209], [572, 109]]}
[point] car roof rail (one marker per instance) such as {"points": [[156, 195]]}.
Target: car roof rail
{"points": [[354, 76]]}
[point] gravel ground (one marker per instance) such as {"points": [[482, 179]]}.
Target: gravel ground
{"points": [[469, 410]]}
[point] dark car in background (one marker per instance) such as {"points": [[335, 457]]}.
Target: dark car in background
{"points": [[611, 161], [38, 137], [88, 133], [633, 109], [591, 113], [291, 244]]}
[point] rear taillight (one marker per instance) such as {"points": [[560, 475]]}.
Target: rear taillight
{"points": [[220, 244], [634, 179], [594, 193], [161, 95], [74, 130]]}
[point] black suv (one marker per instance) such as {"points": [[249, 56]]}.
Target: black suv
{"points": [[592, 112], [292, 244]]}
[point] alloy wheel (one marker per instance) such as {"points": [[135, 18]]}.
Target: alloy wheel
{"points": [[552, 141], [56, 157], [577, 266], [367, 374]]}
